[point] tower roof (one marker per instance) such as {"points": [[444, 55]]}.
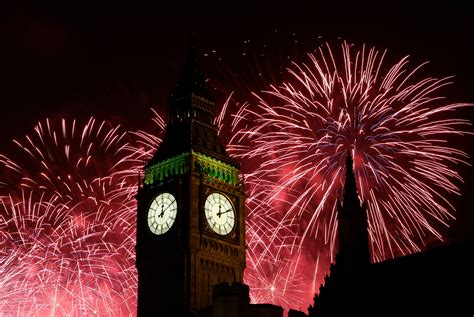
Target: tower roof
{"points": [[353, 252], [191, 113], [350, 185], [192, 80]]}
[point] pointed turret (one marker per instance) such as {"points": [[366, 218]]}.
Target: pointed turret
{"points": [[191, 113], [352, 225], [350, 195], [192, 85]]}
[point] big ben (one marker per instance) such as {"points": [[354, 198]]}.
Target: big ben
{"points": [[191, 208]]}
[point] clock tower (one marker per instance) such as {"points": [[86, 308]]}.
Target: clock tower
{"points": [[191, 208]]}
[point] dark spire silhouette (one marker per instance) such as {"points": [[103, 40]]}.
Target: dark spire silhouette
{"points": [[351, 195], [191, 113], [353, 252], [192, 81]]}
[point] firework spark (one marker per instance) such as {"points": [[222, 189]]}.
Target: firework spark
{"points": [[68, 214], [397, 125], [68, 227]]}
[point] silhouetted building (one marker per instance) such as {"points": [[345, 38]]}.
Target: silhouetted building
{"points": [[296, 313], [233, 301], [437, 282], [191, 208], [191, 216]]}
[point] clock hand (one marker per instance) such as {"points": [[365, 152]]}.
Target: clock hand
{"points": [[163, 211], [223, 212]]}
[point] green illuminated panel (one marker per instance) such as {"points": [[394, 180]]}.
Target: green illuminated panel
{"points": [[174, 166], [201, 163], [216, 169]]}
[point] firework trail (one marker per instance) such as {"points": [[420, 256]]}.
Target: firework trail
{"points": [[68, 222], [296, 135]]}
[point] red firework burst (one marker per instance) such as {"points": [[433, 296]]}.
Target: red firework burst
{"points": [[68, 228], [296, 135], [68, 222]]}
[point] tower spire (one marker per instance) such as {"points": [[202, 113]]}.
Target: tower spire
{"points": [[192, 81], [191, 112], [351, 195], [353, 237]]}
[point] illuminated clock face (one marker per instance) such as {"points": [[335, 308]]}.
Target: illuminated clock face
{"points": [[162, 213], [220, 213]]}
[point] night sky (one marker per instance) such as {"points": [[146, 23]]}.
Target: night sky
{"points": [[115, 63]]}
